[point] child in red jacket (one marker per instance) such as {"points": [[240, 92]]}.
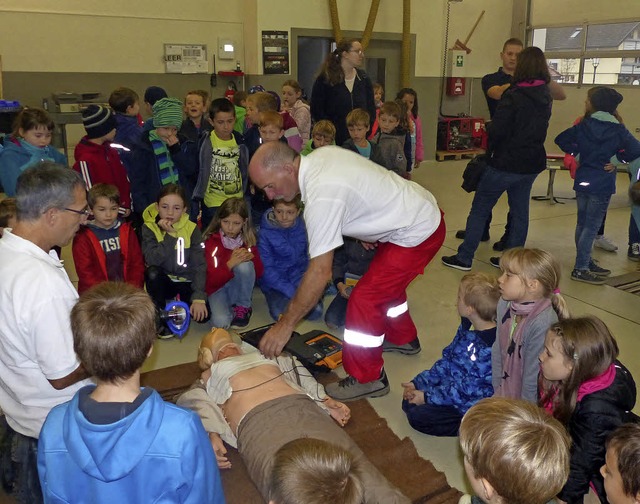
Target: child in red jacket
{"points": [[233, 264], [96, 160], [106, 248]]}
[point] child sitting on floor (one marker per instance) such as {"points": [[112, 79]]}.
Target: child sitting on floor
{"points": [[115, 441], [285, 255], [173, 251], [233, 264], [436, 400], [514, 452], [106, 248]]}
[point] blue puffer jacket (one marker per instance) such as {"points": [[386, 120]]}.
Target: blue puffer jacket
{"points": [[14, 159], [596, 139], [284, 253], [463, 375]]}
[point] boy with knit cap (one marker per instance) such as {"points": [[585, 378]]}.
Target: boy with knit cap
{"points": [[96, 160], [162, 156], [596, 139], [151, 95]]}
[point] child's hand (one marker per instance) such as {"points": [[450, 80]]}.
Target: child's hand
{"points": [[609, 167], [166, 225], [340, 412], [409, 389], [126, 212], [418, 398], [198, 311], [238, 256], [343, 290], [368, 245], [220, 450]]}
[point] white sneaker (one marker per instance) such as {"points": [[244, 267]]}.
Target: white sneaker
{"points": [[604, 243]]}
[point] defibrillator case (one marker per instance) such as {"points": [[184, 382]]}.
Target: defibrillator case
{"points": [[318, 351]]}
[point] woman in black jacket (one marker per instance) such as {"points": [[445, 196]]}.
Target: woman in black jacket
{"points": [[515, 158], [342, 87]]}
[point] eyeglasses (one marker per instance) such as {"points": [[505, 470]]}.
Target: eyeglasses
{"points": [[84, 212], [359, 52]]}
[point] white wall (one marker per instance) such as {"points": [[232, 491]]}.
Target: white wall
{"points": [[119, 36], [428, 21]]}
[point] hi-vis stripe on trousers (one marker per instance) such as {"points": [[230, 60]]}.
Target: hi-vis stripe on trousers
{"points": [[378, 309]]}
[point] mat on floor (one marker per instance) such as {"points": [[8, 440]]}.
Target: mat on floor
{"points": [[396, 458], [629, 282]]}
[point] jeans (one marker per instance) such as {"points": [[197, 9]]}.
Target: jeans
{"points": [[277, 303], [236, 291], [492, 185], [591, 210], [337, 312]]}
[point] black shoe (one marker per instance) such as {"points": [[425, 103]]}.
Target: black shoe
{"points": [[350, 389], [461, 233], [165, 333], [499, 246], [242, 316], [411, 348], [587, 277], [633, 252], [597, 270], [454, 262], [495, 261]]}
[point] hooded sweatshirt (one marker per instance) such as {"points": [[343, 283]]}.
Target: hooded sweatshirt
{"points": [[14, 159], [182, 261], [596, 139], [101, 164], [284, 253], [156, 453]]}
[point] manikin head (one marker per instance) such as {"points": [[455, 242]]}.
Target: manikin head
{"points": [[217, 344]]}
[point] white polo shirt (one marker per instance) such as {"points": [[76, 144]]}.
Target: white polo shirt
{"points": [[36, 344], [346, 194]]}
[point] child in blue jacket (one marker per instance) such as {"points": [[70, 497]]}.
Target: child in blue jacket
{"points": [[284, 251], [596, 139], [436, 400]]}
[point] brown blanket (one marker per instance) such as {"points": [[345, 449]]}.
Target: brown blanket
{"points": [[397, 459]]}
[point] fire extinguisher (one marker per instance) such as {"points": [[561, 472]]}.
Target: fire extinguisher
{"points": [[230, 91]]}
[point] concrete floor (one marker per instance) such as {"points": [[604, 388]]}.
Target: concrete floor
{"points": [[432, 297]]}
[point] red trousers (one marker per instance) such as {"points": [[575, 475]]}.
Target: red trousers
{"points": [[377, 308]]}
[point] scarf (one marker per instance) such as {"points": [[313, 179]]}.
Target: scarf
{"points": [[37, 153], [511, 336], [165, 163], [231, 243]]}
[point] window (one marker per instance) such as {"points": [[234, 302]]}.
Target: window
{"points": [[597, 53]]}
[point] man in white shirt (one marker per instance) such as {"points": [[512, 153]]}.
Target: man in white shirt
{"points": [[38, 366], [347, 195]]}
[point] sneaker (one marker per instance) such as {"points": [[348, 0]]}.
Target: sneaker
{"points": [[604, 243], [500, 246], [454, 262], [633, 252], [597, 270], [411, 348], [165, 333], [350, 389], [587, 277], [495, 261], [461, 233], [242, 315]]}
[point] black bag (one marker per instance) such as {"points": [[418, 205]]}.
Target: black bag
{"points": [[473, 173]]}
